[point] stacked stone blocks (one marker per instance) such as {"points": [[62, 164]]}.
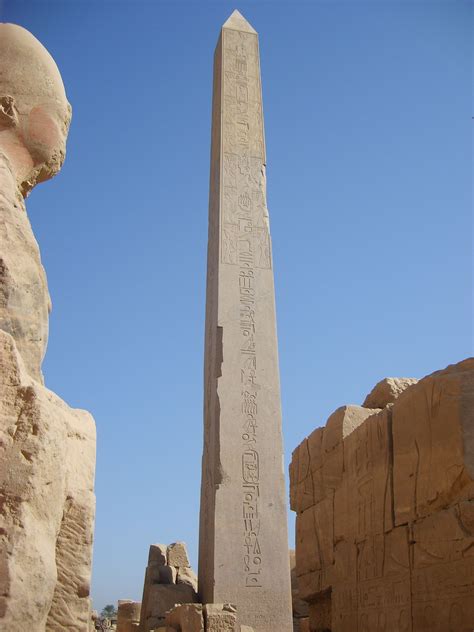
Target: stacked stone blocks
{"points": [[385, 509], [169, 580]]}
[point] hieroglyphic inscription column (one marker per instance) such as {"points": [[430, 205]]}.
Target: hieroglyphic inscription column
{"points": [[243, 554]]}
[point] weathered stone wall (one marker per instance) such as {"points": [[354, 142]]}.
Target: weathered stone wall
{"points": [[385, 509]]}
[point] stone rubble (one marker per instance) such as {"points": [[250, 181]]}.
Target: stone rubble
{"points": [[385, 509]]}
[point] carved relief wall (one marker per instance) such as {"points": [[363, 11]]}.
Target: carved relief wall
{"points": [[385, 510]]}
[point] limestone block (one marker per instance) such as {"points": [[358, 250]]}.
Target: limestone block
{"points": [[186, 575], [178, 555], [186, 617], [387, 390], [433, 442], [46, 481], [128, 615], [220, 617], [246, 628], [158, 554]]}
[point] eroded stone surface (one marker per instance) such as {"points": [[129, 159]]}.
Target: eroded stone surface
{"points": [[186, 617], [128, 615], [187, 576], [34, 118], [178, 555], [387, 390], [243, 549], [158, 554], [46, 477], [385, 511], [220, 617], [48, 449], [166, 584]]}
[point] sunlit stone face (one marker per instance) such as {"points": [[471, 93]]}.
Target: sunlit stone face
{"points": [[34, 111]]}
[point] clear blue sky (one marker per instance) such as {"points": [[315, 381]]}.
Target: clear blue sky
{"points": [[367, 116]]}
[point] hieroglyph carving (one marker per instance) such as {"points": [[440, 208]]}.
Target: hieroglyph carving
{"points": [[245, 226], [245, 242]]}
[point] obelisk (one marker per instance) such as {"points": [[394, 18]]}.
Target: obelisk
{"points": [[243, 548]]}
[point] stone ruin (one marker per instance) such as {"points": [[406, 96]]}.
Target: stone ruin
{"points": [[170, 599], [384, 496], [128, 615], [384, 493], [48, 449], [169, 579]]}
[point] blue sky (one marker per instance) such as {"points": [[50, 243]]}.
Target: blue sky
{"points": [[367, 116]]}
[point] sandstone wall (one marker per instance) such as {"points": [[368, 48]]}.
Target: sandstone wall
{"points": [[385, 509]]}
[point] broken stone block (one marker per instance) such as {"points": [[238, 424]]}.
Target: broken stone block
{"points": [[178, 555], [167, 574], [157, 554], [339, 425], [186, 618], [160, 589], [220, 617], [363, 501], [186, 575], [128, 615], [386, 391], [163, 597]]}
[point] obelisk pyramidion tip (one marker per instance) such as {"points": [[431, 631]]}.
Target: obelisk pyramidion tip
{"points": [[237, 22]]}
